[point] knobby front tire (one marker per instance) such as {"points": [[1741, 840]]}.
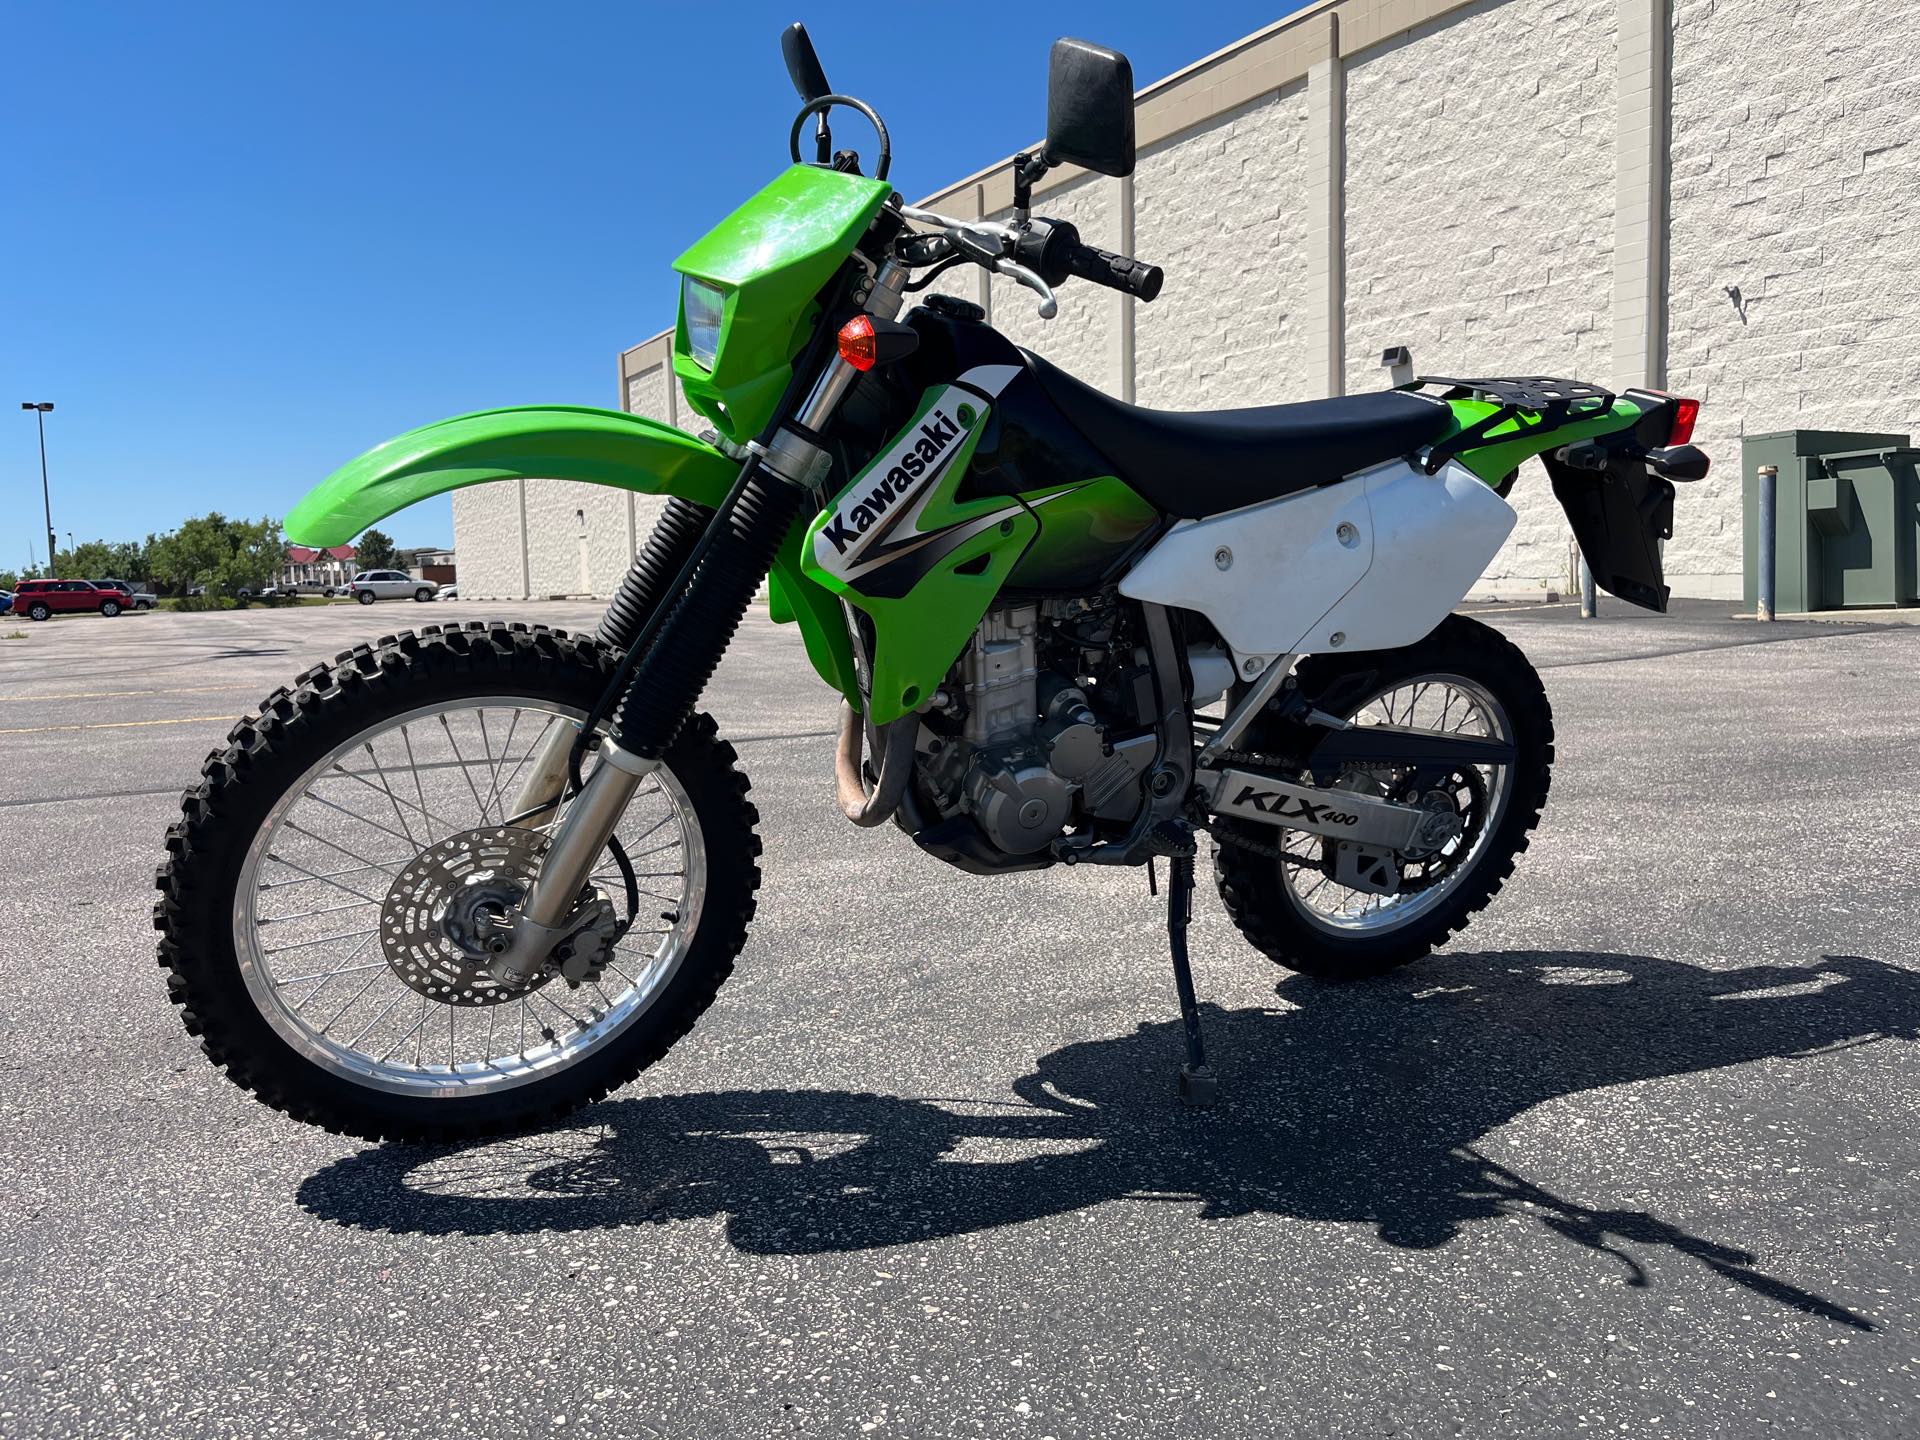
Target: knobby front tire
{"points": [[240, 818]]}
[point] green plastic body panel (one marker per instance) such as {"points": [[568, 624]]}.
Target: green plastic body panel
{"points": [[561, 442], [769, 259], [918, 634], [1083, 531], [793, 595], [1522, 438], [925, 605]]}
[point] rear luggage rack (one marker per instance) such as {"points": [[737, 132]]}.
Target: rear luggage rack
{"points": [[1557, 402]]}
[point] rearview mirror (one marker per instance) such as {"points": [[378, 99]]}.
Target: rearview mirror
{"points": [[1090, 108], [803, 63]]}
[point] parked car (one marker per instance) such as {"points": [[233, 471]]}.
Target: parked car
{"points": [[6, 601], [449, 592], [43, 599], [137, 599], [371, 585]]}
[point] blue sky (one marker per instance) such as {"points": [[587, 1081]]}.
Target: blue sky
{"points": [[241, 243]]}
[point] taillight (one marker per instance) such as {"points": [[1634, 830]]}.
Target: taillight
{"points": [[859, 347], [1685, 412]]}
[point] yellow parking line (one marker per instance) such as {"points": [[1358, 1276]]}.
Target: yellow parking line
{"points": [[122, 694], [111, 725]]}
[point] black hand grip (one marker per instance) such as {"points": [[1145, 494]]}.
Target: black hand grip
{"points": [[1116, 272]]}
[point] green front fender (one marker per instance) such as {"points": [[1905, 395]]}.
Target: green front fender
{"points": [[565, 442], [554, 442]]}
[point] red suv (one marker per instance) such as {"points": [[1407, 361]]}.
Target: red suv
{"points": [[43, 599]]}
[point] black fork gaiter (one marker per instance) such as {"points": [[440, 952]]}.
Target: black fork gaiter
{"points": [[688, 647], [675, 534]]}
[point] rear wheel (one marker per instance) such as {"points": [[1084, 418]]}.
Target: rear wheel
{"points": [[1314, 909], [365, 597], [325, 901], [39, 610]]}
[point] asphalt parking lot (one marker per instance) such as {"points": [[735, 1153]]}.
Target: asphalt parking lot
{"points": [[1637, 1155]]}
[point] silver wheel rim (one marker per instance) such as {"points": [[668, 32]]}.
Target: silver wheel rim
{"points": [[307, 913], [1439, 701]]}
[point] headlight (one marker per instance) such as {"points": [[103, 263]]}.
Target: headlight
{"points": [[703, 306]]}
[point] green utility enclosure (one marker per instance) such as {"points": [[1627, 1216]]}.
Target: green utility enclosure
{"points": [[1848, 519]]}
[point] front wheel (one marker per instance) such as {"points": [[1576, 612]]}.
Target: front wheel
{"points": [[109, 608], [422, 595], [328, 891], [1293, 894]]}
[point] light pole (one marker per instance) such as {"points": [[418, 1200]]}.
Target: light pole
{"points": [[40, 409]]}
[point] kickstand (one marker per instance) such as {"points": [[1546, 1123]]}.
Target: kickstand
{"points": [[1199, 1086]]}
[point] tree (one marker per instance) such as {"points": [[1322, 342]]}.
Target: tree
{"points": [[94, 559], [375, 551], [223, 555]]}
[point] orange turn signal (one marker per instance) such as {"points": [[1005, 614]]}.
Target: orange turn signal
{"points": [[859, 346]]}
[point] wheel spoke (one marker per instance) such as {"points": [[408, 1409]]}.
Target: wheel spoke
{"points": [[414, 765], [312, 876], [465, 773], [333, 1004], [1437, 704]]}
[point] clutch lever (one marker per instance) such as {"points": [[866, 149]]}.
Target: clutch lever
{"points": [[1049, 307]]}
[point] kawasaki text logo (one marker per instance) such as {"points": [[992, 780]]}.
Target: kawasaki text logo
{"points": [[911, 464]]}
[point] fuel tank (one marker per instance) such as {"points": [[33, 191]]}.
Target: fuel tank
{"points": [[1029, 451]]}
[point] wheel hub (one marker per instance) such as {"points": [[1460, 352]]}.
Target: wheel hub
{"points": [[445, 905]]}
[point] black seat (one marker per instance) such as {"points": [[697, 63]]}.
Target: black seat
{"points": [[1198, 463]]}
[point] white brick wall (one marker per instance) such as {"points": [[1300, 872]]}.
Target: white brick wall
{"points": [[1223, 210], [1796, 181], [1491, 174], [486, 545], [655, 393], [1479, 217], [577, 537], [1083, 338]]}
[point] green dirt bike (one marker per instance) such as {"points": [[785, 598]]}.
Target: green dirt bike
{"points": [[465, 879]]}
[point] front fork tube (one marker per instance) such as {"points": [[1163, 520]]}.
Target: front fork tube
{"points": [[733, 557], [647, 586], [541, 923]]}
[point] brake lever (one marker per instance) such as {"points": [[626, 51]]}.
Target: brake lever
{"points": [[1049, 307], [986, 243]]}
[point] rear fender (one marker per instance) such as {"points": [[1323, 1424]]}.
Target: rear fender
{"points": [[1618, 503], [553, 442]]}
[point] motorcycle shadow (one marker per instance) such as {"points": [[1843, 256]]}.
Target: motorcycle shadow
{"points": [[1361, 1103]]}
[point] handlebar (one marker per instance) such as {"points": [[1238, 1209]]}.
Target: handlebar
{"points": [[1039, 255], [1116, 272]]}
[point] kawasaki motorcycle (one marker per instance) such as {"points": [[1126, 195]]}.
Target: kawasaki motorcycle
{"points": [[464, 879]]}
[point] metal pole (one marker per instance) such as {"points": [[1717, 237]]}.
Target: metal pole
{"points": [[46, 495], [1769, 487], [1589, 593]]}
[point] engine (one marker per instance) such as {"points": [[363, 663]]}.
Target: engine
{"points": [[1047, 720]]}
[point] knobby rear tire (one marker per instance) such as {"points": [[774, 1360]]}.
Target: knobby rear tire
{"points": [[270, 752], [1252, 887]]}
